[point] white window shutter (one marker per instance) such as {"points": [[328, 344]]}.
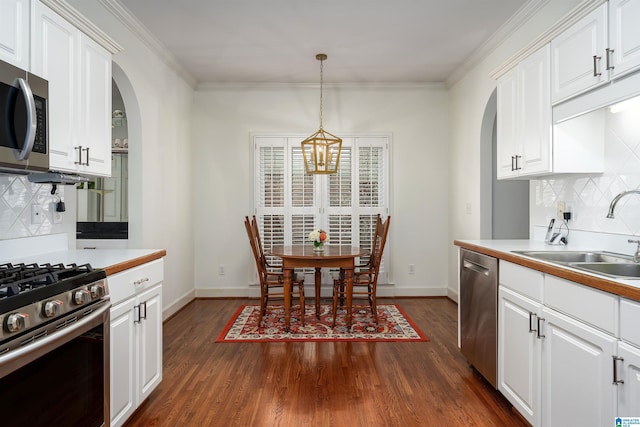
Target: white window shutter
{"points": [[290, 204]]}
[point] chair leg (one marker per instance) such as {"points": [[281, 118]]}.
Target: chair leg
{"points": [[336, 291], [302, 307], [374, 307]]}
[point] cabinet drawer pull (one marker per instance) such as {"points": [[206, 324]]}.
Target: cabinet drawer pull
{"points": [[616, 381], [518, 167], [141, 281], [609, 61], [538, 335], [595, 66], [531, 328], [513, 165], [86, 150]]}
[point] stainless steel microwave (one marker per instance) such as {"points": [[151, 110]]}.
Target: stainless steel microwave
{"points": [[24, 134]]}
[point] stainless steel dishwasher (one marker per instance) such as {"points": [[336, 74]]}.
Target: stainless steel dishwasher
{"points": [[479, 312]]}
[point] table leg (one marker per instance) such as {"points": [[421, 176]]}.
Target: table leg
{"points": [[287, 298], [318, 283], [349, 279]]}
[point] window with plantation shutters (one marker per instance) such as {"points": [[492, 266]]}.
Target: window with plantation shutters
{"points": [[289, 203]]}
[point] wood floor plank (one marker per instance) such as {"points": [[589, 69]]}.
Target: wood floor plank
{"points": [[319, 383]]}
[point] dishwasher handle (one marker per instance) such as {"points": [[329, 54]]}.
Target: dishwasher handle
{"points": [[470, 265]]}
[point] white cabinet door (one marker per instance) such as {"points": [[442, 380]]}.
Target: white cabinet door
{"points": [[14, 32], [524, 118], [150, 341], [507, 118], [534, 112], [54, 57], [577, 382], [95, 108], [624, 36], [79, 75], [123, 359], [519, 353], [628, 370], [577, 62]]}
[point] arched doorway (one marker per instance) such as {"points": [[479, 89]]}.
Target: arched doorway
{"points": [[504, 204]]}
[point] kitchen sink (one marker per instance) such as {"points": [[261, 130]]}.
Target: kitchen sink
{"points": [[629, 270], [566, 257]]}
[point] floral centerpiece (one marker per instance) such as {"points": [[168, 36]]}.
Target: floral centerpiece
{"points": [[319, 238]]}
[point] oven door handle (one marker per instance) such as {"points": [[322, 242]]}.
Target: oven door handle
{"points": [[24, 355]]}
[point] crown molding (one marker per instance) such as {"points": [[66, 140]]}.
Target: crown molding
{"points": [[73, 16], [213, 86], [138, 29], [503, 33], [573, 16]]}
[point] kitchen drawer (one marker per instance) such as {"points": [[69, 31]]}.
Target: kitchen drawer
{"points": [[589, 305], [629, 320], [524, 280], [127, 283]]}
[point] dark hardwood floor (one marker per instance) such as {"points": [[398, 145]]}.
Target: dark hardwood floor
{"points": [[322, 383]]}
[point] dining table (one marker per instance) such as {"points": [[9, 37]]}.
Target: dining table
{"points": [[304, 256]]}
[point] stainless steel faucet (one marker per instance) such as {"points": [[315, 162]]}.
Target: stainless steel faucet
{"points": [[616, 199]]}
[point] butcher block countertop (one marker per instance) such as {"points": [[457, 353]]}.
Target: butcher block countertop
{"points": [[503, 249], [112, 260]]}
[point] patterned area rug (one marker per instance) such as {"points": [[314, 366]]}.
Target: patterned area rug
{"points": [[393, 325]]}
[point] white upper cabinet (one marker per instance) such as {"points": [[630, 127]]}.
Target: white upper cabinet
{"points": [[578, 56], [79, 75], [14, 32], [624, 36], [524, 118], [95, 108], [602, 46]]}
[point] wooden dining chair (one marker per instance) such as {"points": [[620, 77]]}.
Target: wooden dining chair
{"points": [[365, 278], [271, 277]]}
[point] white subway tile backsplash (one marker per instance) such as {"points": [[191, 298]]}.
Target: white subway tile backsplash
{"points": [[17, 195], [590, 195]]}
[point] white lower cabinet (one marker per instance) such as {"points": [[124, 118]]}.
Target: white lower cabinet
{"points": [[136, 337], [628, 371], [568, 354], [519, 351], [577, 381]]}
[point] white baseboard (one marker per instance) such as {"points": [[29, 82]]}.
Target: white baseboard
{"points": [[452, 295], [178, 304]]}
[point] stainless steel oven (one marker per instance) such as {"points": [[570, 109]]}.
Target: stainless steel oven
{"points": [[54, 345]]}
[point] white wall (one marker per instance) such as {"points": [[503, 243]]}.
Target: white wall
{"points": [[224, 117], [468, 99], [159, 117]]}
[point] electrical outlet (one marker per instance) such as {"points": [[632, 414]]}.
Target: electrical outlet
{"points": [[36, 214], [57, 217], [412, 269], [560, 206], [221, 270]]}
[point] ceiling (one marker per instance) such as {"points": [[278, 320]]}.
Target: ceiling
{"points": [[276, 41]]}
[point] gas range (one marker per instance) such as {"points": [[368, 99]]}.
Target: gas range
{"points": [[38, 299]]}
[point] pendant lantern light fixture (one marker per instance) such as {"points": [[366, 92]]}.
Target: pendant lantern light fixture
{"points": [[321, 151]]}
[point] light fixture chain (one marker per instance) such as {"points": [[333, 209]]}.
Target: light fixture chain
{"points": [[321, 80]]}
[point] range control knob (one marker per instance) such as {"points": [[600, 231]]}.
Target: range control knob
{"points": [[97, 291], [81, 296], [52, 308], [16, 322]]}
